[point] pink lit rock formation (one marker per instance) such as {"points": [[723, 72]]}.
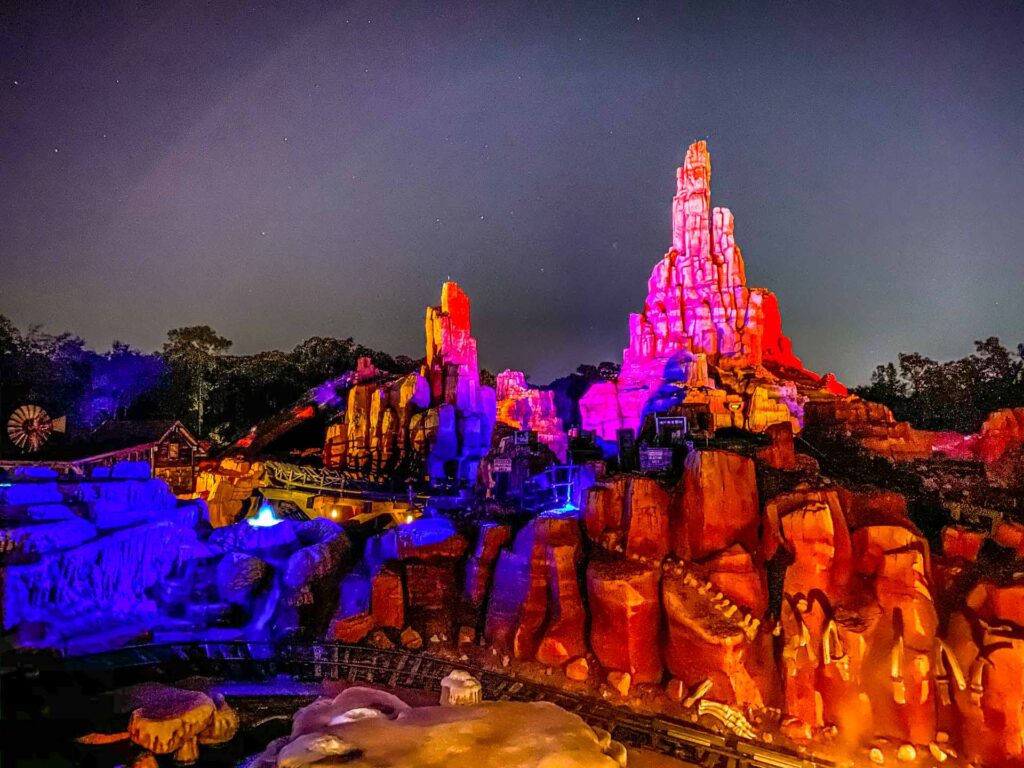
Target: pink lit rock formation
{"points": [[703, 328], [524, 407]]}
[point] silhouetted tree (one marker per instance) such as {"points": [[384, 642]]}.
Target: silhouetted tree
{"points": [[192, 353], [954, 395]]}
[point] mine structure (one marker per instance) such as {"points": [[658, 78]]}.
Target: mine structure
{"points": [[772, 570]]}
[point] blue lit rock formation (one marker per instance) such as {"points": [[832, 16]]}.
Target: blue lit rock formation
{"points": [[96, 561], [74, 554]]}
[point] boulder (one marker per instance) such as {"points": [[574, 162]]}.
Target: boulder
{"points": [[564, 635], [734, 573], [480, 565], [578, 670], [387, 598], [172, 719], [350, 629], [707, 638], [527, 579], [426, 539], [485, 735], [959, 542], [719, 505], [625, 616]]}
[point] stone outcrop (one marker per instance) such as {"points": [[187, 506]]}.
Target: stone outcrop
{"points": [[226, 488], [524, 407], [857, 599], [79, 558], [491, 537], [535, 608], [438, 421], [371, 729], [630, 514], [717, 343], [171, 720], [377, 431], [719, 505], [709, 637], [985, 650], [625, 613], [998, 446]]}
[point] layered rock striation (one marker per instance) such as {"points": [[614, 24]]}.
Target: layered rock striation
{"points": [[437, 422], [524, 407], [703, 336]]}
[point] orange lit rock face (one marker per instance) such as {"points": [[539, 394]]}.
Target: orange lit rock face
{"points": [[719, 505], [378, 418], [625, 610], [523, 407], [535, 608], [701, 326], [734, 573], [442, 414], [986, 643], [675, 588], [227, 487], [709, 638], [631, 513], [711, 602], [387, 599], [961, 543], [858, 618]]}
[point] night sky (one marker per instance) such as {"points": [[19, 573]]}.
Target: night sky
{"points": [[283, 170]]}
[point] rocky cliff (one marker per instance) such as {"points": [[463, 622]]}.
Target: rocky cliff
{"points": [[703, 336], [438, 421], [524, 407], [816, 612]]}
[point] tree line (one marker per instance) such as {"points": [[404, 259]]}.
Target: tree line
{"points": [[193, 378], [955, 395]]}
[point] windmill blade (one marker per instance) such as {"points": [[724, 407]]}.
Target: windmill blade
{"points": [[60, 424], [29, 427]]}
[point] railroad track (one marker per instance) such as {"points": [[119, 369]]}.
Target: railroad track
{"points": [[396, 668]]}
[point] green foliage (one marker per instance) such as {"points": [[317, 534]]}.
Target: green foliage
{"points": [[52, 371], [955, 395]]}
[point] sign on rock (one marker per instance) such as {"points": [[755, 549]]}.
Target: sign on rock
{"points": [[655, 459]]}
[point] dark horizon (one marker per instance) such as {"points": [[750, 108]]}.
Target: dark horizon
{"points": [[285, 171]]}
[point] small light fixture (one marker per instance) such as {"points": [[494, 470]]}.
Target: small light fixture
{"points": [[265, 518]]}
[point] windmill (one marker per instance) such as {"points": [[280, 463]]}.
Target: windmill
{"points": [[30, 426]]}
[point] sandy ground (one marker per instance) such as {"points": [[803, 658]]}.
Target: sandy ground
{"points": [[638, 758]]}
